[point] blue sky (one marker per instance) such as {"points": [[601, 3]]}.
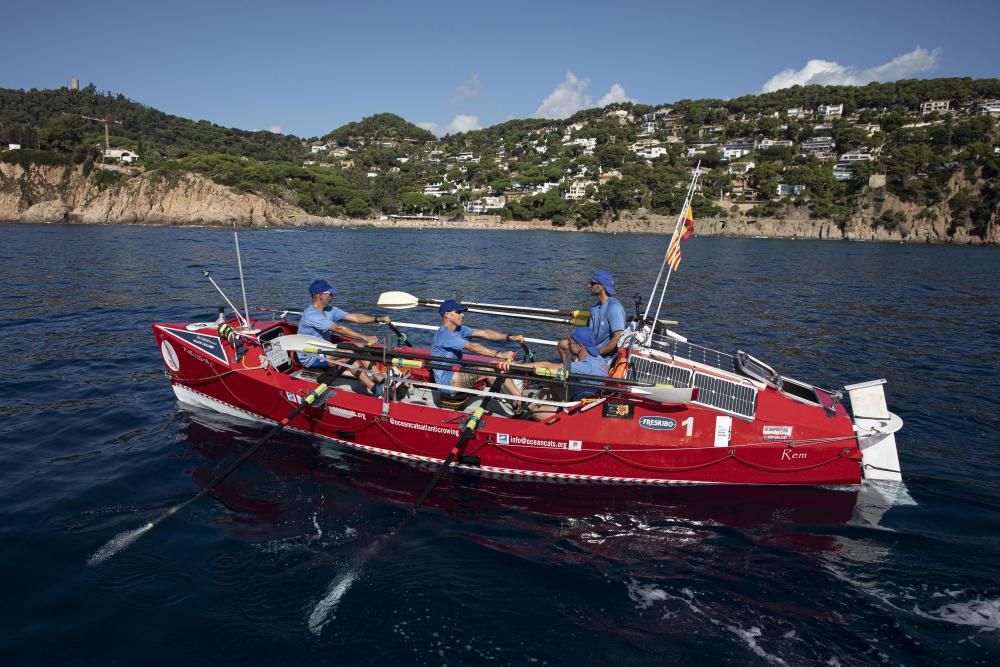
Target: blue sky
{"points": [[306, 68]]}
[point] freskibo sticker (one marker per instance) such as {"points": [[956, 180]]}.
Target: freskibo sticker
{"points": [[658, 423]]}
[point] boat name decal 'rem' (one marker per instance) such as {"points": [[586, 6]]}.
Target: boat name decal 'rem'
{"points": [[424, 427], [789, 455], [658, 423]]}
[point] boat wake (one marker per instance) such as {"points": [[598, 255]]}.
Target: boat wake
{"points": [[118, 543], [321, 614]]}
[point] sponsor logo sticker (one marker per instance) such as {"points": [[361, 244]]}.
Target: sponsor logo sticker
{"points": [[618, 410], [575, 445], [503, 439], [658, 423], [777, 432]]}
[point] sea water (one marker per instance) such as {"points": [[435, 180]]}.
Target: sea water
{"points": [[265, 570]]}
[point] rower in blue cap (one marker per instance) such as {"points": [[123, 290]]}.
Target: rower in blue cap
{"points": [[452, 339], [583, 349], [321, 319], [607, 316]]}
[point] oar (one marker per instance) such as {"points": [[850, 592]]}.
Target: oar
{"points": [[431, 327], [123, 540], [403, 301], [340, 585], [655, 392]]}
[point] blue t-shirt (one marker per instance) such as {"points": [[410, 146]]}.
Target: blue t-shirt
{"points": [[592, 365], [316, 322], [449, 344], [605, 319]]}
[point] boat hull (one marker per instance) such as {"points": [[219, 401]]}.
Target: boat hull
{"points": [[623, 440]]}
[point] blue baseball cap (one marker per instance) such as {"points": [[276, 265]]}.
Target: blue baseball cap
{"points": [[320, 286], [449, 305], [604, 277], [585, 336]]}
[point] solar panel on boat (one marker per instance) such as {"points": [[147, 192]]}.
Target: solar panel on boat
{"points": [[696, 353], [726, 395], [659, 372]]}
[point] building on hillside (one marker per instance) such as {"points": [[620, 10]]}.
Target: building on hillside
{"points": [[729, 153], [621, 115], [796, 112], [651, 153], [843, 172], [577, 190], [990, 108], [830, 110], [930, 106], [740, 189], [818, 145], [741, 168], [120, 154], [769, 143], [789, 190], [609, 175], [856, 156], [13, 147]]}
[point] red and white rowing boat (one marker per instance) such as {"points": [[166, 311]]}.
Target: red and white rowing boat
{"points": [[676, 413], [727, 419]]}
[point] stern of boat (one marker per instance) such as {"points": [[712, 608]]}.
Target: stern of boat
{"points": [[876, 428]]}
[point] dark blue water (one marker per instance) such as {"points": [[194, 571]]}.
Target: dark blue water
{"points": [[491, 572]]}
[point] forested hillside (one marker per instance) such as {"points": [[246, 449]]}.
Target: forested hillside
{"points": [[836, 152]]}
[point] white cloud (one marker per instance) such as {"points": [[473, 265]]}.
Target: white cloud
{"points": [[830, 73], [463, 123], [568, 98], [276, 129], [460, 123], [615, 94], [468, 89], [571, 95]]}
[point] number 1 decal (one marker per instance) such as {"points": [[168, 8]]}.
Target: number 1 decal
{"points": [[688, 424]]}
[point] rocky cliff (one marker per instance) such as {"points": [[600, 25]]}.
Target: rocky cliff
{"points": [[57, 194]]}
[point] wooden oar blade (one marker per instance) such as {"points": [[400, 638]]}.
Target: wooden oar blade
{"points": [[397, 300]]}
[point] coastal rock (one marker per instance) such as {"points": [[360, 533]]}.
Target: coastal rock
{"points": [[61, 194]]}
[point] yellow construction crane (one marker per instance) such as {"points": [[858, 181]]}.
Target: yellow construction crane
{"points": [[107, 125]]}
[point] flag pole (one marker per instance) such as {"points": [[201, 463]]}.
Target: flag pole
{"points": [[687, 202]]}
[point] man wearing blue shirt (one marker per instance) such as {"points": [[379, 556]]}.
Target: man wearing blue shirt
{"points": [[321, 319], [607, 316], [452, 339], [586, 361]]}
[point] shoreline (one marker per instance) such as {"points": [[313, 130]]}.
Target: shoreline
{"points": [[707, 228]]}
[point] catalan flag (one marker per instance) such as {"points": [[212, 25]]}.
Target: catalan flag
{"points": [[688, 223], [674, 253]]}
